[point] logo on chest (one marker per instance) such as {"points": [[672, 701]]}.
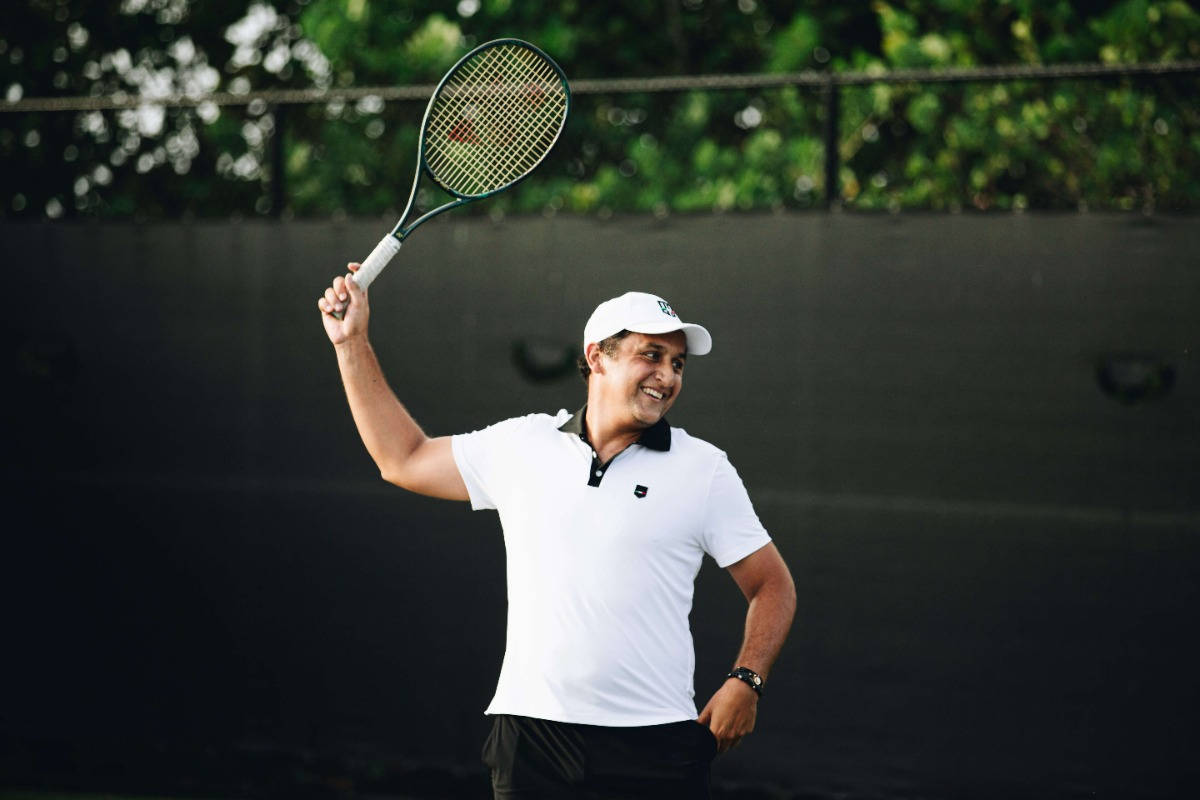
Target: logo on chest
{"points": [[640, 491]]}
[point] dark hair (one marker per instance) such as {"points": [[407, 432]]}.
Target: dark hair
{"points": [[607, 346]]}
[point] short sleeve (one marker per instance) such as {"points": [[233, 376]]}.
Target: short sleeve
{"points": [[481, 456], [732, 530]]}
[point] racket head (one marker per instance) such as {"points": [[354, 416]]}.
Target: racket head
{"points": [[493, 118]]}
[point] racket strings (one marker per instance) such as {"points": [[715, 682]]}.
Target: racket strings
{"points": [[495, 116], [523, 152], [494, 120]]}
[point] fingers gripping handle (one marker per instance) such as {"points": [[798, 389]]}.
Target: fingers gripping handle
{"points": [[383, 253]]}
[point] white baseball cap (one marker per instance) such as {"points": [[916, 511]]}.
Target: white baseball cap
{"points": [[642, 313]]}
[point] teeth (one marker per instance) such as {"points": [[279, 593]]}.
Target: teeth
{"points": [[656, 395]]}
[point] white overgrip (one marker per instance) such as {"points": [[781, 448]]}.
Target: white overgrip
{"points": [[383, 253]]}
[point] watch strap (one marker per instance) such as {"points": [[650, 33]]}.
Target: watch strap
{"points": [[749, 677]]}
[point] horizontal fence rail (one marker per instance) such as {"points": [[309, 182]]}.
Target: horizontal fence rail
{"points": [[666, 83]]}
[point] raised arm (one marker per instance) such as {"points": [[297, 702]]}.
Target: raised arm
{"points": [[404, 454], [767, 584]]}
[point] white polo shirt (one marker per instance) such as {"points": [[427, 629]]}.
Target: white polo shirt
{"points": [[601, 561]]}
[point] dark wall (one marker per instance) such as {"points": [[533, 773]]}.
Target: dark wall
{"points": [[996, 558]]}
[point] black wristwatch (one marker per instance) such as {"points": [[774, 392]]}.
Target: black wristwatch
{"points": [[749, 677]]}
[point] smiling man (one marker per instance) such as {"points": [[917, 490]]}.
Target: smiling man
{"points": [[607, 514]]}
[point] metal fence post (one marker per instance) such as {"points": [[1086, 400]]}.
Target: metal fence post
{"points": [[278, 188], [833, 188]]}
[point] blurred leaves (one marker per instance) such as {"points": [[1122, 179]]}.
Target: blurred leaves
{"points": [[1064, 144]]}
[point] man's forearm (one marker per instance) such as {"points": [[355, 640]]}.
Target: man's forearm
{"points": [[768, 620], [771, 594], [387, 429]]}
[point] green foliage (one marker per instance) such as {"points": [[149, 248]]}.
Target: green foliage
{"points": [[1068, 144], [792, 47]]}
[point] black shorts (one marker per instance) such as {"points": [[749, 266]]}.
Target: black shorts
{"points": [[537, 758]]}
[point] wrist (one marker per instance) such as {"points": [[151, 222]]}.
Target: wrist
{"points": [[748, 677], [353, 345]]}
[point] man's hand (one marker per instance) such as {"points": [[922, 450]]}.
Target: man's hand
{"points": [[345, 297], [730, 714]]}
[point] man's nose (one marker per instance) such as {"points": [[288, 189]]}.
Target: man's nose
{"points": [[666, 373]]}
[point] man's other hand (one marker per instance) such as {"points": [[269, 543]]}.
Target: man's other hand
{"points": [[730, 714]]}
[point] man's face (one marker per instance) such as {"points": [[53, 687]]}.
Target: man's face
{"points": [[644, 378]]}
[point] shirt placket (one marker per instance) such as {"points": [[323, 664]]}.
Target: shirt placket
{"points": [[597, 469]]}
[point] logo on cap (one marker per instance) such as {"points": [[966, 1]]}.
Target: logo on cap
{"points": [[666, 308], [640, 491]]}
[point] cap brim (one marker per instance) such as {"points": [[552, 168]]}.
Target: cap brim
{"points": [[699, 341]]}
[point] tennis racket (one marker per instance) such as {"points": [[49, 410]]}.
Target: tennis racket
{"points": [[491, 121]]}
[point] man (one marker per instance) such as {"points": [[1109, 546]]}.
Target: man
{"points": [[607, 514]]}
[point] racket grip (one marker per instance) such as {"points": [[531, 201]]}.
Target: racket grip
{"points": [[383, 253]]}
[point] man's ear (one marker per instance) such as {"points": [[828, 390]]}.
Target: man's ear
{"points": [[594, 358]]}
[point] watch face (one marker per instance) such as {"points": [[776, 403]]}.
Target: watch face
{"points": [[757, 680]]}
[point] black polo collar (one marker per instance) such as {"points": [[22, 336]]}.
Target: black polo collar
{"points": [[656, 437]]}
